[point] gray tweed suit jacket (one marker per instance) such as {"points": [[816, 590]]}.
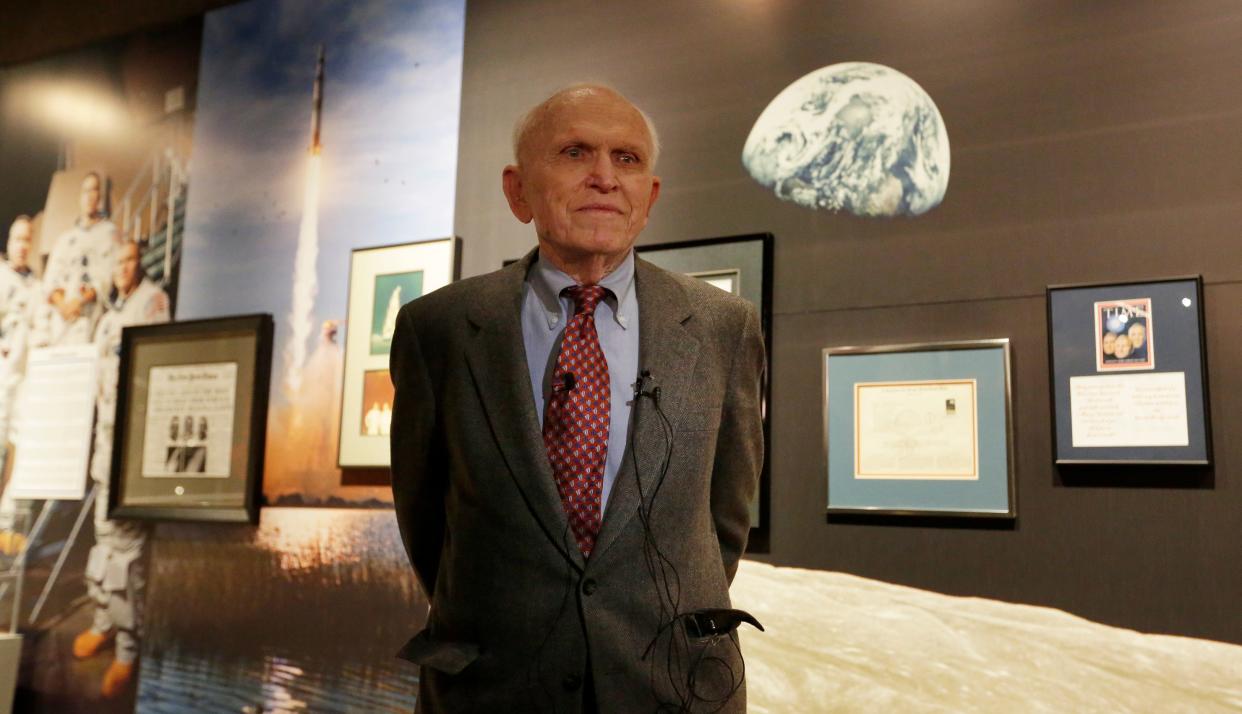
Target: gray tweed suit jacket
{"points": [[519, 619]]}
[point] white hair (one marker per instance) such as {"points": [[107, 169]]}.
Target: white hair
{"points": [[528, 121]]}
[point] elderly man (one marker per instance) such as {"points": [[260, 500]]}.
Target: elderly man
{"points": [[79, 271], [575, 440], [115, 569]]}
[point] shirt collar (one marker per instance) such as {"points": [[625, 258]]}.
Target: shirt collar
{"points": [[23, 273], [548, 282], [119, 300]]}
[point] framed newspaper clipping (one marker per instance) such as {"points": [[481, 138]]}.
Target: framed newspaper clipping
{"points": [[740, 265], [920, 430], [1129, 373], [191, 420], [381, 280]]}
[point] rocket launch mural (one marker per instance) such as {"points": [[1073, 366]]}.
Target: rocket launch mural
{"points": [[276, 211], [305, 284]]}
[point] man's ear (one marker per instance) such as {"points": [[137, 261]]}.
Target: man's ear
{"points": [[511, 182], [655, 193]]}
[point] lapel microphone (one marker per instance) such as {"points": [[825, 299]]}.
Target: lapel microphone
{"points": [[640, 389]]}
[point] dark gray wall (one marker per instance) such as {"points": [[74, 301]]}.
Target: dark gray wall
{"points": [[1091, 142], [31, 30]]}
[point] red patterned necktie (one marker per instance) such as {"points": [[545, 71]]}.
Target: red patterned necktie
{"points": [[575, 423]]}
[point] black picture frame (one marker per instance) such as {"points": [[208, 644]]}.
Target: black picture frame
{"points": [[715, 256], [245, 342], [1166, 314]]}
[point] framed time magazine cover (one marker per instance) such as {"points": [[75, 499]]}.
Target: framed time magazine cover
{"points": [[920, 430], [740, 265], [1129, 372], [381, 280], [191, 420]]}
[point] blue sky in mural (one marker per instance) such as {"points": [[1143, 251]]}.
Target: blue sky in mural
{"points": [[389, 144]]}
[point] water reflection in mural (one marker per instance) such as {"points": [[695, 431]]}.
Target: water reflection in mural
{"points": [[304, 613]]}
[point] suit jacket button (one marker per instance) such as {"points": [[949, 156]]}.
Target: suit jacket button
{"points": [[589, 586], [571, 682]]}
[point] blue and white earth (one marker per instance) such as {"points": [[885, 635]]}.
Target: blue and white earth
{"points": [[855, 137]]}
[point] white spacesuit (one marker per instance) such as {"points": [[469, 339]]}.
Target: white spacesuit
{"points": [[82, 257], [17, 289], [78, 276], [115, 574]]}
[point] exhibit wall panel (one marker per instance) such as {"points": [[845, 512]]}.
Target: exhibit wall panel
{"points": [[1123, 546], [1089, 144]]}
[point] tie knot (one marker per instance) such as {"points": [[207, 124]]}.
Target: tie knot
{"points": [[585, 298]]}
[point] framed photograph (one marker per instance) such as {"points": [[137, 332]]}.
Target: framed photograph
{"points": [[741, 265], [191, 420], [1124, 339], [381, 280], [727, 280], [1129, 373], [921, 429]]}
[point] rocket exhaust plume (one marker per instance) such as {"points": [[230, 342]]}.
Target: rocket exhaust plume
{"points": [[305, 283]]}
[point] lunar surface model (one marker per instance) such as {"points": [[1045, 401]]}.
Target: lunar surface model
{"points": [[855, 137]]}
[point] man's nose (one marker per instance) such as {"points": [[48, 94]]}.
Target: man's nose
{"points": [[603, 174]]}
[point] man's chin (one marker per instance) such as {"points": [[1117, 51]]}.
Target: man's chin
{"points": [[602, 239], [610, 246], [590, 248]]}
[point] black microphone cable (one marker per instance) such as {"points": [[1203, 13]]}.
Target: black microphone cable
{"points": [[667, 583], [665, 578]]}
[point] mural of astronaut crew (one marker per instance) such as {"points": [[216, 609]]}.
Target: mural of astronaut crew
{"points": [[115, 570], [79, 272]]}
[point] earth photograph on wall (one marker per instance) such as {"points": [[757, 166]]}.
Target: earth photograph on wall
{"points": [[855, 137]]}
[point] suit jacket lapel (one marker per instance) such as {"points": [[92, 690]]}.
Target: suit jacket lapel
{"points": [[669, 351], [497, 361]]}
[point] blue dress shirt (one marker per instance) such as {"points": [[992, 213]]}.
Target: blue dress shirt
{"points": [[545, 311]]}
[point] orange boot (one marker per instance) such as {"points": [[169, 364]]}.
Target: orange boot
{"points": [[11, 542], [88, 643], [116, 680]]}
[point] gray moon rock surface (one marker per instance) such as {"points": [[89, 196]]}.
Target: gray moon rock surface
{"points": [[855, 137], [836, 642]]}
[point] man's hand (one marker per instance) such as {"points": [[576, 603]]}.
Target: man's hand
{"points": [[88, 294], [69, 309]]}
